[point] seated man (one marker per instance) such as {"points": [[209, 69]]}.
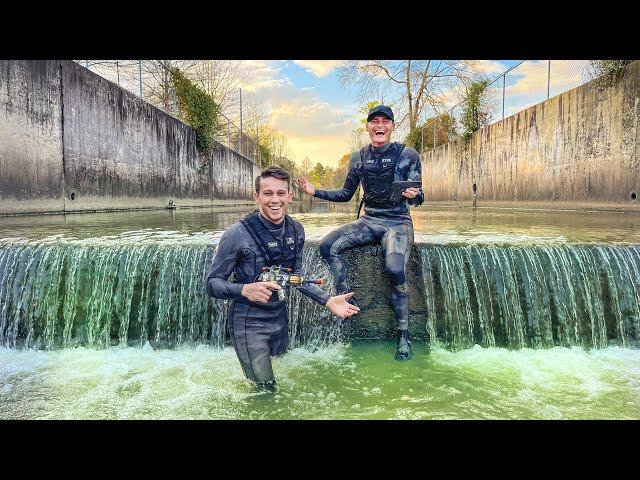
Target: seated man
{"points": [[385, 222], [257, 319]]}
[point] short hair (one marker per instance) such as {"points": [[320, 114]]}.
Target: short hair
{"points": [[275, 172]]}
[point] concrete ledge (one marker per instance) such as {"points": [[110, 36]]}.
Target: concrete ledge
{"points": [[372, 288]]}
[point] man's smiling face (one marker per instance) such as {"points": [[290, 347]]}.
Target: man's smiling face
{"points": [[273, 198], [379, 129]]}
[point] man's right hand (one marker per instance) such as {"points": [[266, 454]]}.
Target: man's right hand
{"points": [[305, 185], [259, 292]]}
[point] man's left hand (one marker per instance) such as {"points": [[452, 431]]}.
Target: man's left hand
{"points": [[340, 307], [410, 192]]}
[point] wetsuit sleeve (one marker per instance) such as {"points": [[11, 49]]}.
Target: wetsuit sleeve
{"points": [[350, 184], [415, 173], [224, 261], [311, 290]]}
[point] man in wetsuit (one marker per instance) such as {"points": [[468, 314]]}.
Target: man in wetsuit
{"points": [[377, 166], [257, 319]]}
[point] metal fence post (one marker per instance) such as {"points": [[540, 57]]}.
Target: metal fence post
{"points": [[118, 71], [548, 79], [503, 89], [241, 142], [140, 76], [422, 140]]}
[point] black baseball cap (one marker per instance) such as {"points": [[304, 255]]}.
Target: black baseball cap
{"points": [[380, 110]]}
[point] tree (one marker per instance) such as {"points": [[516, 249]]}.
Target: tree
{"points": [[606, 72], [359, 137], [197, 108], [274, 147], [421, 137], [305, 168], [221, 79], [475, 113], [341, 171], [317, 175], [158, 82], [411, 85]]}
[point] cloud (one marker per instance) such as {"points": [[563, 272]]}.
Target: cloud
{"points": [[490, 66], [265, 74], [319, 68], [313, 126]]}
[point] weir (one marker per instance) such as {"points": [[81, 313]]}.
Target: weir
{"points": [[148, 287]]}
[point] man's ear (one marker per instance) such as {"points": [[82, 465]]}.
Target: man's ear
{"points": [[255, 196]]}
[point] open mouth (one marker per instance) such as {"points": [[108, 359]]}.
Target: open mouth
{"points": [[274, 209]]}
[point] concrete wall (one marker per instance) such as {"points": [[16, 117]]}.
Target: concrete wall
{"points": [[30, 136], [72, 141], [578, 148]]}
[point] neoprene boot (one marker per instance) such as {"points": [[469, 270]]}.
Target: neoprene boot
{"points": [[403, 347], [269, 386]]}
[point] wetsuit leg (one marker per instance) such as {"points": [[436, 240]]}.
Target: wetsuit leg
{"points": [[396, 245], [254, 333], [331, 247]]}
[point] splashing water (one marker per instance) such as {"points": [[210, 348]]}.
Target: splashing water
{"points": [[358, 381]]}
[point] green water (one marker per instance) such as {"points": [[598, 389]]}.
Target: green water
{"points": [[354, 381], [358, 380], [432, 224]]}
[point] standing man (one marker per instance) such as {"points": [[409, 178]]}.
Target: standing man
{"points": [[385, 222], [258, 319]]}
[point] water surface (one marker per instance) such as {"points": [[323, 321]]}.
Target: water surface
{"points": [[356, 381]]}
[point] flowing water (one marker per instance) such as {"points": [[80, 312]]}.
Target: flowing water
{"points": [[532, 314], [355, 381]]}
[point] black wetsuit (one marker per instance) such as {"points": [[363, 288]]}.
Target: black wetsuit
{"points": [[384, 222], [258, 330]]}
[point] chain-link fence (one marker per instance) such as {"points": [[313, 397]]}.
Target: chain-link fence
{"points": [[229, 135], [150, 80], [524, 84]]}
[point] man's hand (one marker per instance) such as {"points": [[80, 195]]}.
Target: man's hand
{"points": [[410, 192], [259, 292], [340, 307], [305, 185]]}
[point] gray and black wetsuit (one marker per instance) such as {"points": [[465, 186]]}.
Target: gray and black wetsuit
{"points": [[258, 330], [384, 222]]}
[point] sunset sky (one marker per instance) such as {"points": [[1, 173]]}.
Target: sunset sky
{"points": [[308, 103]]}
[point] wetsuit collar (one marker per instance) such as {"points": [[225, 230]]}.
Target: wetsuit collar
{"points": [[382, 149], [269, 224]]}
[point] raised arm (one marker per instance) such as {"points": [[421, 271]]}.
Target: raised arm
{"points": [[343, 194]]}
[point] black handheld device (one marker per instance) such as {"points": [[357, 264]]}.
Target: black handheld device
{"points": [[400, 186]]}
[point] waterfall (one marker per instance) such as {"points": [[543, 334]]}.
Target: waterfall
{"points": [[126, 290], [534, 296], [148, 287]]}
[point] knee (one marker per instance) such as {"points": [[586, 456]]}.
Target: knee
{"points": [[325, 246]]}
